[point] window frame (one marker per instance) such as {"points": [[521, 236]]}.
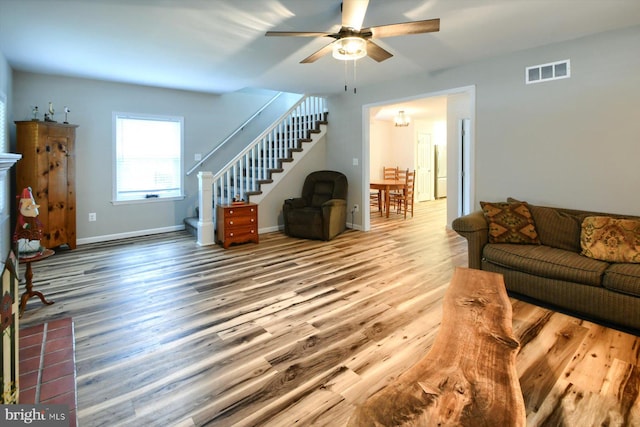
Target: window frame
{"points": [[119, 115], [4, 148]]}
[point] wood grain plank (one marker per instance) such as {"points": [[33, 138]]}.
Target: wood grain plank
{"points": [[296, 332]]}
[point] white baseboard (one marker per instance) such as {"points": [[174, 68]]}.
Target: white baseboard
{"points": [[281, 228], [270, 229], [118, 236]]}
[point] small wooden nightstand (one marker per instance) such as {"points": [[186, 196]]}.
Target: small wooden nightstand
{"points": [[237, 224]]}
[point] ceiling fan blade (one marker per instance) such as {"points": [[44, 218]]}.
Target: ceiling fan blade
{"points": [[296, 33], [376, 52], [353, 12], [318, 54], [415, 27]]}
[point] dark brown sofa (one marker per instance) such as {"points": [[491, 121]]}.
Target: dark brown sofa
{"points": [[555, 272]]}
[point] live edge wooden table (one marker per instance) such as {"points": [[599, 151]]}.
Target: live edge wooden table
{"points": [[387, 185], [468, 377], [29, 279]]}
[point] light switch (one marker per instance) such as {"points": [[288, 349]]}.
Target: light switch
{"points": [[355, 161]]}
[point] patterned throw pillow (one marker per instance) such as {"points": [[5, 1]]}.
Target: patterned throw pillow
{"points": [[510, 223], [611, 239]]}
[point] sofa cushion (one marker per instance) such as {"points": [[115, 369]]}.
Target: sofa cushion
{"points": [[510, 223], [556, 228], [623, 277], [548, 262], [611, 239]]}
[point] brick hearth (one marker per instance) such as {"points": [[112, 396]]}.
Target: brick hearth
{"points": [[47, 365]]}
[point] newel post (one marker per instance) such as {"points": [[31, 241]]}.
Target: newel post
{"points": [[205, 201]]}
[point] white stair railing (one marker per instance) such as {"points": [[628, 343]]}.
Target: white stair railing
{"points": [[234, 133], [254, 165], [243, 174]]}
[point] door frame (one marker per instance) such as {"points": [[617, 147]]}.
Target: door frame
{"points": [[465, 107]]}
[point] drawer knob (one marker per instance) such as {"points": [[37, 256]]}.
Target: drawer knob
{"points": [[231, 234], [230, 222], [231, 212]]}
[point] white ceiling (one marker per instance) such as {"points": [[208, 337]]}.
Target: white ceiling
{"points": [[219, 46]]}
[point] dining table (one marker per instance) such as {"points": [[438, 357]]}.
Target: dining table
{"points": [[386, 186]]}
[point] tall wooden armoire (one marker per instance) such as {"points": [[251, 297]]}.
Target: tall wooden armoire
{"points": [[48, 167]]}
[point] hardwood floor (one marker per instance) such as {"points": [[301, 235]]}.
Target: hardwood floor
{"points": [[298, 332]]}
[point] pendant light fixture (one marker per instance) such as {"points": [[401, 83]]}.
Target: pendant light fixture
{"points": [[401, 119]]}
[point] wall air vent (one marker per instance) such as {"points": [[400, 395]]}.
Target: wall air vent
{"points": [[547, 72]]}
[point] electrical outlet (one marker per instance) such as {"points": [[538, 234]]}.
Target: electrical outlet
{"points": [[356, 208], [92, 216]]}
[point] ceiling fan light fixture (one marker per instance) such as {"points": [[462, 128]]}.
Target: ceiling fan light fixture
{"points": [[350, 48], [401, 119]]}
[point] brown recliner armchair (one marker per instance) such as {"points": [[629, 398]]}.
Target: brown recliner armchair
{"points": [[321, 211]]}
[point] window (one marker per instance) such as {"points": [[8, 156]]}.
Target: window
{"points": [[148, 157]]}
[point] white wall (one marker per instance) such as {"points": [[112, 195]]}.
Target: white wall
{"points": [[571, 142], [403, 145], [380, 148], [208, 119], [270, 208], [390, 146]]}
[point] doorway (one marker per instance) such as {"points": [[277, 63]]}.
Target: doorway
{"points": [[460, 104]]}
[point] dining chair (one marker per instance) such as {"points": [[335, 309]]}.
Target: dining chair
{"points": [[374, 199], [389, 173], [375, 196], [406, 201], [395, 196]]}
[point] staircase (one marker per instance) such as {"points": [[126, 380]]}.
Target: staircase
{"points": [[251, 174]]}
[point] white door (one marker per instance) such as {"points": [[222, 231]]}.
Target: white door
{"points": [[424, 168]]}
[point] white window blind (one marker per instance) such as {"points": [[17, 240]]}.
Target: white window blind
{"points": [[148, 157]]}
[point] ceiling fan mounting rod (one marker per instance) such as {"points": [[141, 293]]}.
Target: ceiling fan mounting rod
{"points": [[350, 32]]}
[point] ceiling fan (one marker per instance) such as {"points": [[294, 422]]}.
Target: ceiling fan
{"points": [[353, 41]]}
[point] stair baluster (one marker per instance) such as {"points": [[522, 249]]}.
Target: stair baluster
{"points": [[254, 166]]}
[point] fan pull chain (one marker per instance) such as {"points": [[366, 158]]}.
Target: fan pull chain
{"points": [[354, 75], [345, 75]]}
